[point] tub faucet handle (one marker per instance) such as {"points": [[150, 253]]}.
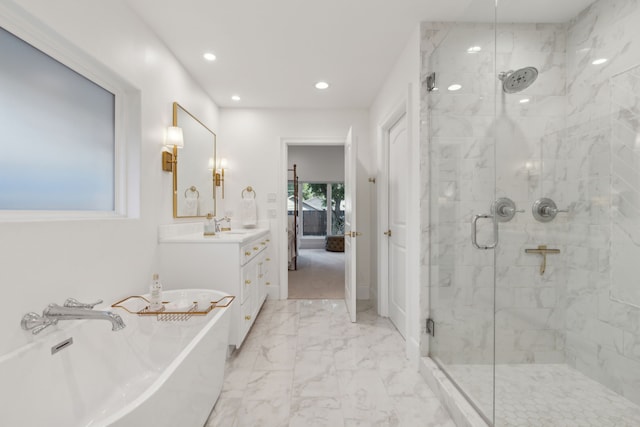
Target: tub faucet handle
{"points": [[35, 323], [72, 302]]}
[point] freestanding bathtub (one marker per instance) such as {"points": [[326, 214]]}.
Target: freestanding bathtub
{"points": [[151, 373]]}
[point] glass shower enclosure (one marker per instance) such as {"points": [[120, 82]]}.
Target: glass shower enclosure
{"points": [[533, 118]]}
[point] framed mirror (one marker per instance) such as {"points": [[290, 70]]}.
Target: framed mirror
{"points": [[193, 189]]}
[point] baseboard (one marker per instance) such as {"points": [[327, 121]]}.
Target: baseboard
{"points": [[312, 243], [273, 292], [363, 292], [413, 352]]}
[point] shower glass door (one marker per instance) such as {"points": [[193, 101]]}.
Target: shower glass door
{"points": [[462, 157]]}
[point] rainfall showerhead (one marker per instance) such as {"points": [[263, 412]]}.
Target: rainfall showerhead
{"points": [[515, 81]]}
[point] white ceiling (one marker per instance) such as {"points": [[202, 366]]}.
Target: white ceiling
{"points": [[271, 52]]}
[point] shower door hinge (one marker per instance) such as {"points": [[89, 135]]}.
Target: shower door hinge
{"points": [[431, 327], [431, 82]]}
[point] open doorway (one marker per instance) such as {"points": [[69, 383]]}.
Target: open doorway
{"points": [[315, 208]]}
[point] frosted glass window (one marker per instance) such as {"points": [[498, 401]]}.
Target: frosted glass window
{"points": [[57, 134]]}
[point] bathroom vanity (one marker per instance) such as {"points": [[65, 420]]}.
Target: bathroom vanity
{"points": [[237, 262]]}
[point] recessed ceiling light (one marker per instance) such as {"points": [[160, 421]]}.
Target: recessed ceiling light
{"points": [[454, 87], [209, 56], [322, 85], [474, 49], [235, 98], [524, 100], [600, 61]]}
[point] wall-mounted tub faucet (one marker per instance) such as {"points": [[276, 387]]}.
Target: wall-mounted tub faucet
{"points": [[72, 310]]}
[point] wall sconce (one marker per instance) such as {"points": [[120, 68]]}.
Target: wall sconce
{"points": [[175, 139], [219, 175]]}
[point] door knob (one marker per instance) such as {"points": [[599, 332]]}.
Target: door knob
{"points": [[387, 233]]}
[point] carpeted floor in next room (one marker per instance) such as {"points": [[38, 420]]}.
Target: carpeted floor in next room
{"points": [[320, 275]]}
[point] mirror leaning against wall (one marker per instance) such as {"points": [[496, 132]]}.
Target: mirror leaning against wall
{"points": [[193, 190]]}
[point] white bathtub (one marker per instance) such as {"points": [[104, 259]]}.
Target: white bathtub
{"points": [[149, 374]]}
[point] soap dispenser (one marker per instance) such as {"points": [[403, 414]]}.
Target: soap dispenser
{"points": [[210, 225], [155, 292]]}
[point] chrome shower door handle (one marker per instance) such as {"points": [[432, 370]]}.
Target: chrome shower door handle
{"points": [[474, 232]]}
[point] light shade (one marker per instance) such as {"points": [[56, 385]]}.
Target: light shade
{"points": [[223, 163], [174, 137]]}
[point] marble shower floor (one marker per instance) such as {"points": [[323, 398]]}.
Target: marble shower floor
{"points": [[546, 395], [305, 364]]}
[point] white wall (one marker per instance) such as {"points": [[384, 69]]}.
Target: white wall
{"points": [[401, 89], [47, 261], [251, 140], [318, 163]]}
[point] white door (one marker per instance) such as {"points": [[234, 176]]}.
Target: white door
{"points": [[350, 232], [397, 233]]}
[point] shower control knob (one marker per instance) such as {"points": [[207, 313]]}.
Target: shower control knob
{"points": [[545, 209], [504, 209]]}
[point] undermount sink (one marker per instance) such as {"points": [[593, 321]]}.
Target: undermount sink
{"points": [[222, 233]]}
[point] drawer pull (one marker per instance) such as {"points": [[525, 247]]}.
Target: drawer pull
{"points": [[268, 259], [261, 276], [247, 317], [247, 253], [248, 282], [263, 243], [268, 240], [268, 283], [255, 248]]}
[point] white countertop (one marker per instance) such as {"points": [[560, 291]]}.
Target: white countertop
{"points": [[191, 233]]}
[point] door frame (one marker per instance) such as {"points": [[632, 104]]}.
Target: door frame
{"points": [[407, 105], [285, 143]]}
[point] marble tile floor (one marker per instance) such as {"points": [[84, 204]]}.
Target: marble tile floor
{"points": [[305, 364], [549, 395]]}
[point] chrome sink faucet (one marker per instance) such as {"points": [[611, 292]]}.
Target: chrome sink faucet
{"points": [[72, 309]]}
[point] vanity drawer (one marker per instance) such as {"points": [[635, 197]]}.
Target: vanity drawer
{"points": [[250, 250]]}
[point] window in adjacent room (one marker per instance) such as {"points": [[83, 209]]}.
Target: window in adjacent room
{"points": [[320, 218]]}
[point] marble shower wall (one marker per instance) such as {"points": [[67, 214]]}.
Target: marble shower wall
{"points": [[530, 307], [602, 138], [466, 135]]}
